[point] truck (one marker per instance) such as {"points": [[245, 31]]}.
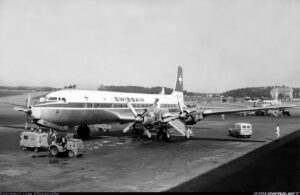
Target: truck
{"points": [[33, 140], [61, 143], [241, 130], [102, 127]]}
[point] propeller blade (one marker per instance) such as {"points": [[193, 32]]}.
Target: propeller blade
{"points": [[132, 109], [128, 127], [28, 101], [181, 109], [147, 132], [26, 122]]}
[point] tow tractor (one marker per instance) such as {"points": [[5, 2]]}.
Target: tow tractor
{"points": [[73, 147]]}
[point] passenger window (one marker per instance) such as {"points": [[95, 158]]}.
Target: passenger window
{"points": [[244, 126], [25, 137], [248, 126]]}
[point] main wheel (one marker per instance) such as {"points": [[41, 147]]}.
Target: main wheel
{"points": [[71, 154], [165, 137], [83, 132], [54, 151], [36, 149], [23, 148]]}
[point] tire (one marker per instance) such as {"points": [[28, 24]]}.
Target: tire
{"points": [[23, 148], [54, 151], [165, 137], [36, 149], [71, 154], [83, 132]]}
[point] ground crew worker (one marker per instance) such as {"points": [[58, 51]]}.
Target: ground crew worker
{"points": [[277, 131], [51, 137], [63, 140]]}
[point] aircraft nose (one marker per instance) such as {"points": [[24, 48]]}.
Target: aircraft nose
{"points": [[35, 113]]}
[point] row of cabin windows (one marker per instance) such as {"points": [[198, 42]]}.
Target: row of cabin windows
{"points": [[110, 105], [120, 105], [169, 106]]}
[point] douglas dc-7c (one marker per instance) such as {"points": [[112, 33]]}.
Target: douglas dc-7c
{"points": [[70, 108]]}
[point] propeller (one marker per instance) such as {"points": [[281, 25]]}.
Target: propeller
{"points": [[29, 110], [26, 109], [139, 118]]}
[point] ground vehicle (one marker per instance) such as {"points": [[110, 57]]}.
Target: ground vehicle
{"points": [[103, 127], [33, 140], [73, 147], [241, 130]]}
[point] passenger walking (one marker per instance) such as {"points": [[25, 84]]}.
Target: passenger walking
{"points": [[277, 131]]}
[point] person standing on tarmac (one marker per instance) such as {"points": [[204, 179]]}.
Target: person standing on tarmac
{"points": [[277, 131], [51, 136]]}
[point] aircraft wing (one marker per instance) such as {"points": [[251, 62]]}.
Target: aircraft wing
{"points": [[126, 119], [236, 110]]}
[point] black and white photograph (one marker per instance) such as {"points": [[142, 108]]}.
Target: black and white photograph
{"points": [[150, 96]]}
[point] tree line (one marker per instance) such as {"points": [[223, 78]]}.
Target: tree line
{"points": [[256, 92]]}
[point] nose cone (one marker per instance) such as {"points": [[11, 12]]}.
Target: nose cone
{"points": [[35, 112]]}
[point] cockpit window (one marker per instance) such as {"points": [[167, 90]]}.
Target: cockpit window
{"points": [[52, 98]]}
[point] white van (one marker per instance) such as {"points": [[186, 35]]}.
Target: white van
{"points": [[241, 130], [33, 140]]}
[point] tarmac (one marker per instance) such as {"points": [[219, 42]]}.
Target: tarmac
{"points": [[113, 162]]}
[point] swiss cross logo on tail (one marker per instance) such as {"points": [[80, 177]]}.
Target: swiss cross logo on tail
{"points": [[180, 79]]}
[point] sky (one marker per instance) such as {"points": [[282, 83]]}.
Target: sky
{"points": [[221, 45]]}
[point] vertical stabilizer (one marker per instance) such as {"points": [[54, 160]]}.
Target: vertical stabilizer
{"points": [[178, 89], [179, 81]]}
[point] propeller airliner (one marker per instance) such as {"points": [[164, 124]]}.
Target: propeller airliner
{"points": [[70, 108]]}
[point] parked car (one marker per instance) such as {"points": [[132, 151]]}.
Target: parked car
{"points": [[241, 130]]}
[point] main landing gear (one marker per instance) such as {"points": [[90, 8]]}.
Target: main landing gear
{"points": [[162, 132], [83, 132]]}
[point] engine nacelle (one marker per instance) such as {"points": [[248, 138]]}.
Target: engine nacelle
{"points": [[192, 119], [148, 120]]}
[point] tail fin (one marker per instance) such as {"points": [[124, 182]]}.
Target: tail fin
{"points": [[179, 81], [178, 90]]}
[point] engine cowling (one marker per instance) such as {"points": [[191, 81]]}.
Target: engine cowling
{"points": [[148, 120], [192, 119]]}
